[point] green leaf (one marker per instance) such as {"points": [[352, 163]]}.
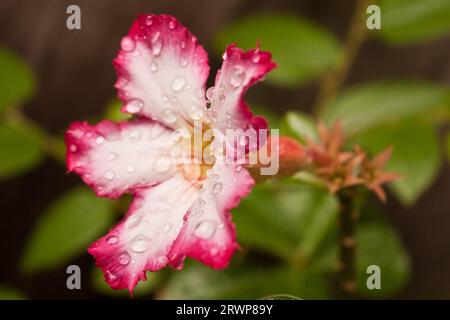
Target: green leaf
{"points": [[143, 288], [376, 103], [299, 125], [7, 293], [301, 49], [280, 297], [415, 157], [411, 21], [17, 83], [65, 230], [112, 111], [377, 244], [21, 150], [243, 282], [286, 221]]}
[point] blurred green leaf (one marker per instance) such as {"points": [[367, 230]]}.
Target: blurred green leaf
{"points": [[143, 288], [411, 21], [284, 220], [448, 145], [65, 230], [17, 83], [243, 282], [280, 297], [299, 125], [112, 111], [415, 157], [377, 244], [7, 293], [368, 105], [301, 49], [267, 113], [21, 149]]}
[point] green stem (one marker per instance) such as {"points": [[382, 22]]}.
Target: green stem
{"points": [[355, 37], [346, 268]]}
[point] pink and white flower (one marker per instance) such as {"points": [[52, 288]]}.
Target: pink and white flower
{"points": [[178, 210]]}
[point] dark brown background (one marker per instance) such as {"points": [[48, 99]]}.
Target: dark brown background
{"points": [[75, 77]]}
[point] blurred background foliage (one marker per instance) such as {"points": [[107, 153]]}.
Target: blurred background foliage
{"points": [[287, 228]]}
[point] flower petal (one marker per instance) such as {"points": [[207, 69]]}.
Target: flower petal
{"points": [[114, 158], [161, 71], [143, 239], [239, 71], [209, 235]]}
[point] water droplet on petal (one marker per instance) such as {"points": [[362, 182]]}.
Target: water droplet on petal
{"points": [[195, 113], [238, 168], [99, 140], [221, 99], [156, 44], [178, 83], [172, 25], [163, 164], [109, 174], [183, 62], [135, 135], [205, 229], [149, 20], [167, 228], [134, 106], [256, 57], [169, 116], [130, 168], [73, 148], [214, 251], [112, 240], [165, 97], [224, 56], [210, 93], [124, 258], [153, 67], [121, 82], [217, 187], [237, 77], [139, 244], [127, 44]]}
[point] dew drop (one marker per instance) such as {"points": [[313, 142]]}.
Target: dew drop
{"points": [[127, 44], [153, 67], [124, 258], [210, 93], [182, 44], [149, 20], [109, 174], [99, 140], [156, 44], [133, 221], [167, 228], [134, 106], [165, 97], [172, 25], [178, 83], [73, 148], [237, 77], [183, 62], [130, 168], [238, 168], [205, 229], [217, 187], [121, 82], [139, 244], [214, 251], [195, 113], [256, 57], [169, 116], [112, 240], [135, 135], [221, 99], [162, 164]]}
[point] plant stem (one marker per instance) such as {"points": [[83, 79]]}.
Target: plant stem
{"points": [[346, 272], [356, 34]]}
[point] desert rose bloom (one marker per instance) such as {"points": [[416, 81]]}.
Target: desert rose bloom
{"points": [[178, 210]]}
